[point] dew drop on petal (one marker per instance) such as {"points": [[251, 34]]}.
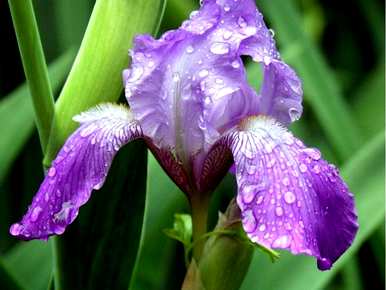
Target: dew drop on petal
{"points": [[303, 168], [289, 197], [260, 199], [35, 213], [262, 228], [227, 34], [294, 114], [313, 153], [189, 49], [203, 73], [282, 242], [324, 264], [316, 169], [241, 22], [16, 229], [136, 74], [176, 77], [249, 221], [227, 8], [272, 32], [235, 64], [219, 48], [279, 211], [52, 172]]}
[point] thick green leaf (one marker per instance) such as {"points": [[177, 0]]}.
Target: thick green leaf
{"points": [[96, 75], [31, 264], [369, 106], [16, 114], [321, 90], [163, 200], [98, 251], [368, 185], [6, 280]]}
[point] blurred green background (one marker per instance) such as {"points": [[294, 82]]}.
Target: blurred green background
{"points": [[337, 47]]}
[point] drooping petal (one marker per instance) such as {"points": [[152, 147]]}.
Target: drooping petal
{"points": [[190, 86], [289, 196], [80, 166]]}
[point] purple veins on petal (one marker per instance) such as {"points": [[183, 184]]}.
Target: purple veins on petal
{"points": [[289, 196], [80, 166], [190, 86]]}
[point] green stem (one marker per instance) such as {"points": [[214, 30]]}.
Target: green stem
{"points": [[199, 204], [34, 64]]}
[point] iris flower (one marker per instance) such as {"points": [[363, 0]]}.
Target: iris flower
{"points": [[190, 101]]}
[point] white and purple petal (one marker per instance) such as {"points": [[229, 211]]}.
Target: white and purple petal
{"points": [[80, 167], [190, 86], [290, 198]]}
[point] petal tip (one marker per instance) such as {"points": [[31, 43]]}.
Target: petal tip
{"points": [[324, 264]]}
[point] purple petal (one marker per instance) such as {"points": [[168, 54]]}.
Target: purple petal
{"points": [[81, 166], [289, 196], [190, 86]]}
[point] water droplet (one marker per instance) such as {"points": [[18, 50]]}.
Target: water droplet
{"points": [[46, 196], [271, 163], [294, 114], [286, 181], [316, 169], [282, 242], [313, 153], [227, 35], [16, 229], [303, 168], [176, 77], [189, 49], [219, 81], [226, 8], [301, 224], [262, 228], [324, 264], [279, 211], [52, 172], [219, 48], [289, 197], [235, 64], [203, 73], [249, 221], [193, 14], [260, 199], [136, 73], [64, 211], [241, 22], [150, 63], [35, 213], [272, 32]]}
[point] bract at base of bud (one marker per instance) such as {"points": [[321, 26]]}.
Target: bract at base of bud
{"points": [[226, 257]]}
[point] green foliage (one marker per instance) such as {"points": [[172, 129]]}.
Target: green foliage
{"points": [[117, 242]]}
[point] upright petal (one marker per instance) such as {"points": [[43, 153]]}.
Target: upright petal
{"points": [[81, 166], [190, 86], [289, 196]]}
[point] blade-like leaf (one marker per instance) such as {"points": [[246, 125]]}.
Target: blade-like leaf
{"points": [[369, 190], [321, 89], [16, 113], [163, 200], [98, 251], [31, 264]]}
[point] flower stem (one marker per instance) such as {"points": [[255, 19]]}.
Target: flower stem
{"points": [[34, 64], [199, 204]]}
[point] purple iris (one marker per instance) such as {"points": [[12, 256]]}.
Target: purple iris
{"points": [[190, 101]]}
